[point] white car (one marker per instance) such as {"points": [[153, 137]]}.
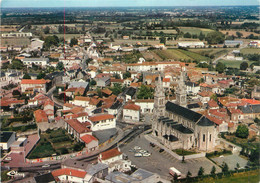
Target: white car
{"points": [[146, 154], [143, 151], [138, 155], [137, 148]]}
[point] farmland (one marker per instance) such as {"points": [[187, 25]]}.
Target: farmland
{"points": [[234, 63], [216, 52], [195, 30], [182, 55], [233, 33], [250, 51]]}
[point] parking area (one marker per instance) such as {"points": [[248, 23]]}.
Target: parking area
{"points": [[231, 161], [160, 162]]}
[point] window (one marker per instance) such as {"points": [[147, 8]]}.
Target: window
{"points": [[203, 137], [210, 137]]}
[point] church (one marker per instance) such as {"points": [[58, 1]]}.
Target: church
{"points": [[178, 127]]}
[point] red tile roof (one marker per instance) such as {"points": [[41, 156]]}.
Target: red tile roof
{"points": [[107, 91], [69, 172], [166, 79], [212, 103], [77, 126], [251, 101], [82, 98], [40, 116], [101, 117], [215, 120], [49, 102], [132, 107], [110, 154], [36, 81], [88, 138]]}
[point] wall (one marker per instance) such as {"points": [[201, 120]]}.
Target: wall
{"points": [[131, 115]]}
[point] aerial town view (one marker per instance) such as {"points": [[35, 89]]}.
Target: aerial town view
{"points": [[112, 91]]}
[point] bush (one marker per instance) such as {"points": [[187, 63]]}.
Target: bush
{"points": [[242, 131]]}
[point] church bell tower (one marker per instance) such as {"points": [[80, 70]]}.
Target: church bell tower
{"points": [[181, 96], [159, 99]]}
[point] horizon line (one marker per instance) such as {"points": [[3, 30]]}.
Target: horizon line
{"points": [[129, 6]]}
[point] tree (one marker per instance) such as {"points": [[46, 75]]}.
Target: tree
{"points": [[187, 35], [201, 36], [127, 74], [214, 97], [201, 172], [239, 34], [243, 66], [51, 40], [237, 165], [46, 30], [17, 64], [188, 175], [145, 92], [60, 66], [116, 89], [93, 82], [215, 38], [26, 76], [224, 167], [242, 131], [163, 40], [220, 67], [41, 75], [116, 75], [213, 171], [73, 42]]}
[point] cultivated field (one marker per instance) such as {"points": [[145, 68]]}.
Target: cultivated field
{"points": [[235, 63], [15, 41], [211, 51], [178, 54], [233, 32], [250, 51], [195, 30]]}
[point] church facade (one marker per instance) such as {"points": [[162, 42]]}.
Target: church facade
{"points": [[178, 127]]}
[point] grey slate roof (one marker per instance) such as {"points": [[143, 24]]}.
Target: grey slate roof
{"points": [[35, 59], [182, 128], [76, 84], [250, 109], [141, 174], [116, 105], [45, 178], [130, 91], [97, 168], [188, 114], [5, 136]]}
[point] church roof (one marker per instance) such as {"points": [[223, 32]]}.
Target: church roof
{"points": [[181, 128], [188, 114], [182, 111]]}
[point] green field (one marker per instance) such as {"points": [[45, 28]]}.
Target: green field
{"points": [[243, 177], [250, 51], [195, 30], [234, 63], [53, 142], [179, 54], [211, 51]]}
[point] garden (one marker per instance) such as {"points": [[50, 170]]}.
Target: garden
{"points": [[55, 142]]}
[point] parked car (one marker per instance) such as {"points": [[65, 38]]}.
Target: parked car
{"points": [[138, 155], [143, 151], [137, 148], [146, 154], [161, 150], [152, 144]]}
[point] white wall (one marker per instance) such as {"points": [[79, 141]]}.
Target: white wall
{"points": [[131, 115], [103, 125]]}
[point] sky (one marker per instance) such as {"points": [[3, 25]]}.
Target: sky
{"points": [[122, 3]]}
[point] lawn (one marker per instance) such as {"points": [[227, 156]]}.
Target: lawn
{"points": [[52, 142], [195, 30], [250, 176], [235, 63], [183, 152], [250, 51]]}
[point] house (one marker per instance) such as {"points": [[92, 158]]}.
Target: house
{"points": [[204, 96], [128, 81], [49, 109], [41, 119], [6, 140], [115, 160], [103, 81], [255, 43], [114, 109], [256, 93], [193, 88], [77, 129], [39, 85], [69, 175], [91, 142], [81, 101], [146, 105], [130, 93], [44, 178], [102, 122], [131, 112], [36, 44], [43, 62]]}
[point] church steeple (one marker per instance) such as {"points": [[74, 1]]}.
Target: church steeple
{"points": [[159, 99], [181, 96]]}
